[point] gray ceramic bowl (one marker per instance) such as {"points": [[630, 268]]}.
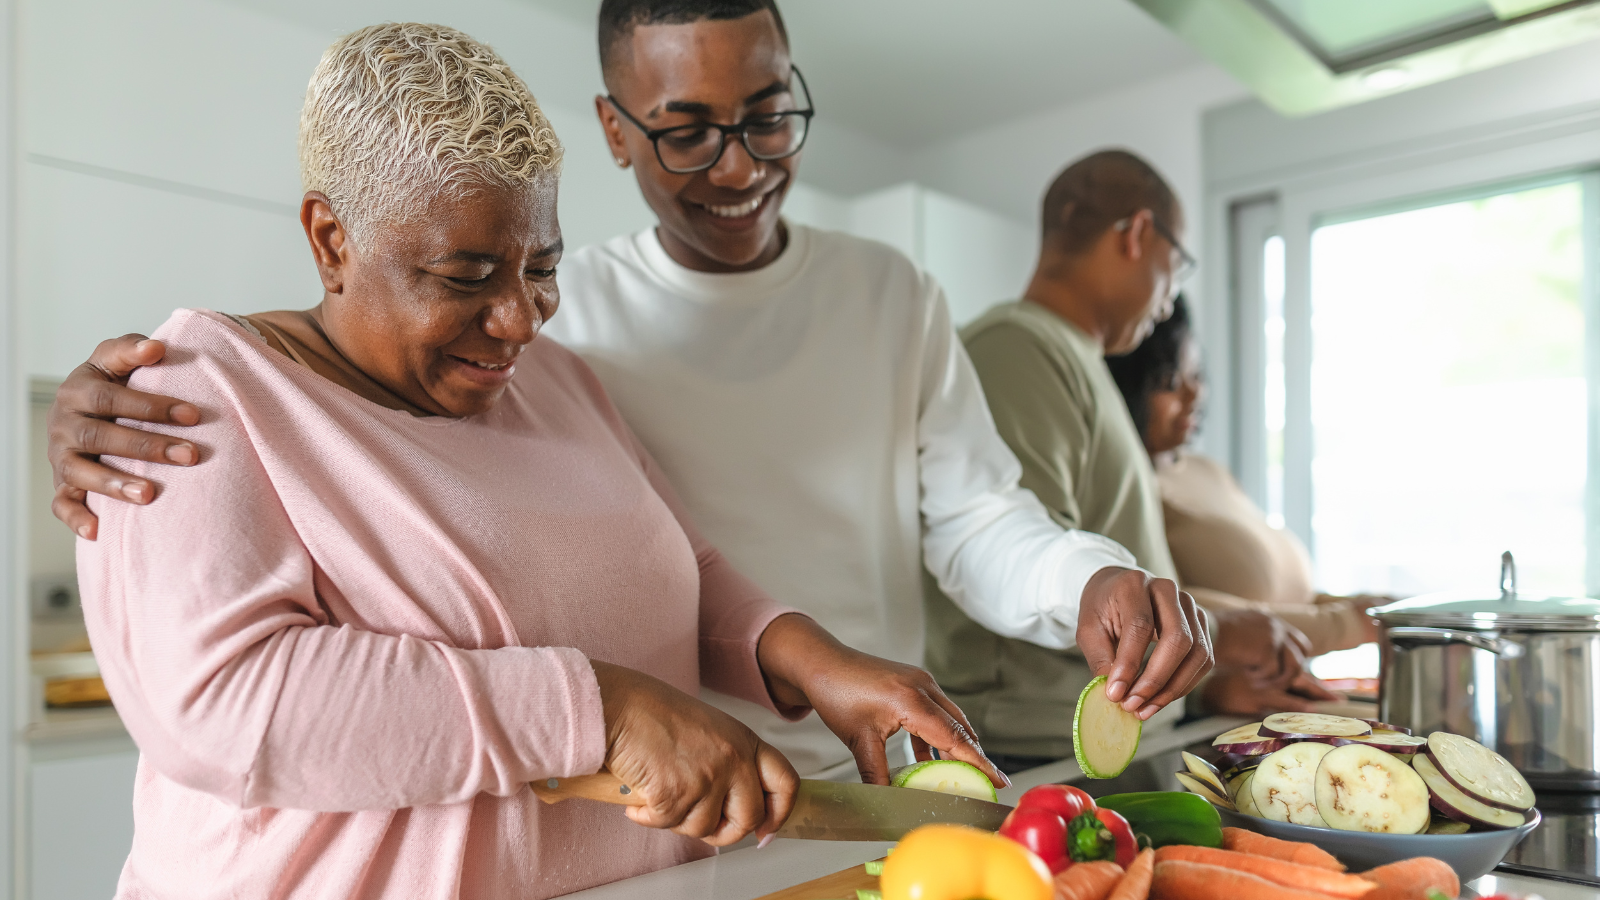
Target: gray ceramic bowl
{"points": [[1472, 854]]}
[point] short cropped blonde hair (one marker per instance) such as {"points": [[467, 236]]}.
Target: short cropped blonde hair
{"points": [[398, 114]]}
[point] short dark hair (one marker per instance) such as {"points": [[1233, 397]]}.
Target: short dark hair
{"points": [[618, 18], [1100, 190], [1152, 365]]}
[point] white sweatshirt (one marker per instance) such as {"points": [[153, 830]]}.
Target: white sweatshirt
{"points": [[825, 429]]}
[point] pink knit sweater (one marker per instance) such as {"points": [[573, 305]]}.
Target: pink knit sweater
{"points": [[346, 641]]}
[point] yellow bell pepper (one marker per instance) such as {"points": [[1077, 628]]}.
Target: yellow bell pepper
{"points": [[953, 862]]}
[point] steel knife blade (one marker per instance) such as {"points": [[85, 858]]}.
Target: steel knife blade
{"points": [[834, 811]]}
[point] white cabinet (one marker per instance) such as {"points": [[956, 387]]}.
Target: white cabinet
{"points": [[80, 818]]}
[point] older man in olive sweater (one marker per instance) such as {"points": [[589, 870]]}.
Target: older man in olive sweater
{"points": [[1111, 262]]}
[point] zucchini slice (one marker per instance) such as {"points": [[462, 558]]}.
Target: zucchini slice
{"points": [[1362, 788], [1104, 735], [945, 776]]}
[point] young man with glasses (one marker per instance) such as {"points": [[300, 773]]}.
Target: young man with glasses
{"points": [[1110, 264], [803, 390]]}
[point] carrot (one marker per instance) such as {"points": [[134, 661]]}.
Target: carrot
{"points": [[1182, 880], [1088, 881], [1289, 851], [1412, 879], [1136, 884], [1277, 871]]}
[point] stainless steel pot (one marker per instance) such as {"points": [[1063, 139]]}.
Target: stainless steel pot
{"points": [[1517, 674]]}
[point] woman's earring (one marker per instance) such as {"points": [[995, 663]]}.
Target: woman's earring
{"points": [[621, 163]]}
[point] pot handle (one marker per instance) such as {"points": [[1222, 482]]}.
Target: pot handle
{"points": [[1415, 634]]}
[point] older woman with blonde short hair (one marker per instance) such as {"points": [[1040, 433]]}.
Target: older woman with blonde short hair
{"points": [[423, 561]]}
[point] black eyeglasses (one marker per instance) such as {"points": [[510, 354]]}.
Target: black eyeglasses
{"points": [[685, 149], [1187, 264]]}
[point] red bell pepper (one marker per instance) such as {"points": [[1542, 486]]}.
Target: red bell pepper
{"points": [[1127, 847], [1040, 830], [1064, 800]]}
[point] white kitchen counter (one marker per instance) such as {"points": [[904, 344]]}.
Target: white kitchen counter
{"points": [[749, 873]]}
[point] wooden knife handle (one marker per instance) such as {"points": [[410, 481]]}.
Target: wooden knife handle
{"points": [[603, 786]]}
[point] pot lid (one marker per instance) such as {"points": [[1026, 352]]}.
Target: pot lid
{"points": [[1509, 610]]}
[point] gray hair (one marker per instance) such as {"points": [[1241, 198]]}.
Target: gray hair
{"points": [[399, 114]]}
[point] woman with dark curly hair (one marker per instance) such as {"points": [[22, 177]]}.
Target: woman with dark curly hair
{"points": [[1226, 551]]}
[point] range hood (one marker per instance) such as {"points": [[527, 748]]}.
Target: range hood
{"points": [[1304, 56]]}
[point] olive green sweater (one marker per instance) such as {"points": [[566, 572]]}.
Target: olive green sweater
{"points": [[1057, 406]]}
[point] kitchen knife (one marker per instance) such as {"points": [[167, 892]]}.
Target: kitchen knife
{"points": [[823, 810]]}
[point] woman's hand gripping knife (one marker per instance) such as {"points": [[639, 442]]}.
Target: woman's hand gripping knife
{"points": [[690, 767], [82, 427], [697, 771], [1124, 611]]}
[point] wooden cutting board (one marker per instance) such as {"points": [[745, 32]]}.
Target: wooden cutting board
{"points": [[838, 886]]}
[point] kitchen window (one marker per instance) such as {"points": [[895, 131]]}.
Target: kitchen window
{"points": [[1421, 399]]}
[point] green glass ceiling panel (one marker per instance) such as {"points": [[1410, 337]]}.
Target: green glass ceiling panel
{"points": [[1303, 56], [1338, 30]]}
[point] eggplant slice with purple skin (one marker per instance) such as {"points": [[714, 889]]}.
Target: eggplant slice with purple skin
{"points": [[1211, 795], [1360, 788], [1305, 726], [1456, 804], [1479, 772], [1204, 771], [1284, 786]]}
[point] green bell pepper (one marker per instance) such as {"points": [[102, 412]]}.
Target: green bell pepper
{"points": [[1168, 817]]}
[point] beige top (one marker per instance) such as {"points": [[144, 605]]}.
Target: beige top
{"points": [[1223, 545], [1057, 406]]}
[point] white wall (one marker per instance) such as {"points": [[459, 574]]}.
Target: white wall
{"points": [[1008, 167], [978, 256], [163, 179]]}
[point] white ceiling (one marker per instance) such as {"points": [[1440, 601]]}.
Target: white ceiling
{"points": [[908, 72]]}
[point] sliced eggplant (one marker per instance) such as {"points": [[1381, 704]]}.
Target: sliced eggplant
{"points": [[1284, 787], [1450, 801], [1302, 726], [1479, 772], [1195, 786], [1389, 742], [1233, 765], [1246, 801], [1385, 726], [1249, 732], [1360, 788], [1204, 771], [1257, 747], [1447, 826]]}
